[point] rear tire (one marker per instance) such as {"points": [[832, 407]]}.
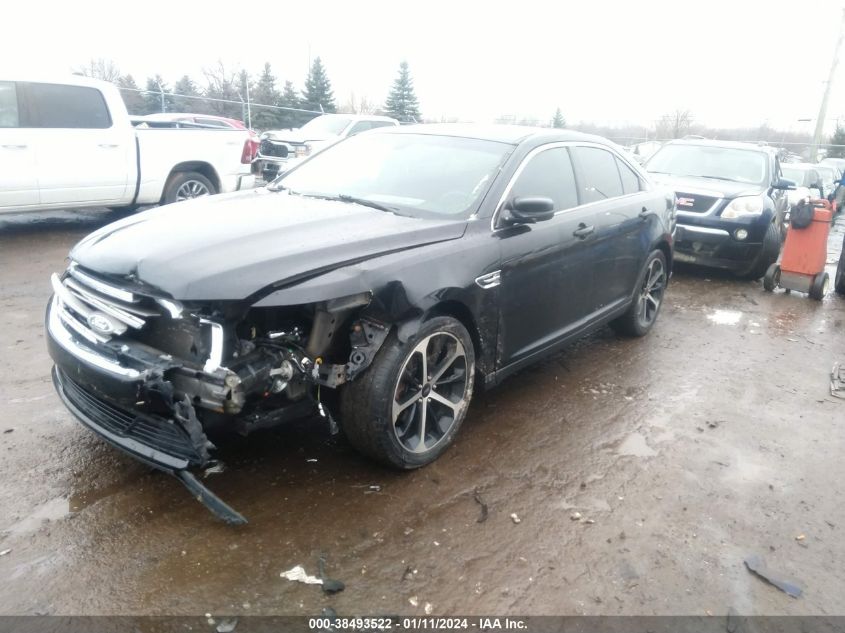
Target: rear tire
{"points": [[819, 288], [187, 185], [768, 255], [651, 286], [406, 409], [771, 280]]}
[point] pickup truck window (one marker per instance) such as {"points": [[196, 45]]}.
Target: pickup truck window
{"points": [[8, 105], [58, 106]]}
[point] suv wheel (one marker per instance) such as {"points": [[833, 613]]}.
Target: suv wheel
{"points": [[651, 284], [768, 255], [408, 406]]}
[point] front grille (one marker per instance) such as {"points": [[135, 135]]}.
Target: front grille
{"points": [[269, 148], [98, 310], [156, 432], [695, 203]]}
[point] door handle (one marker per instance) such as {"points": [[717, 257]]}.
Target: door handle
{"points": [[109, 145], [644, 213], [15, 146], [583, 230]]}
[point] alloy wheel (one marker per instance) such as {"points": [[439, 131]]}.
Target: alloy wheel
{"points": [[651, 293], [191, 189], [430, 392]]}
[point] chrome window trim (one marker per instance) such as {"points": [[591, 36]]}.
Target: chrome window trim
{"points": [[554, 145]]}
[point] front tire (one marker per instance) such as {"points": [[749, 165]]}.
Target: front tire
{"points": [[187, 185], [768, 255], [651, 285], [406, 409]]}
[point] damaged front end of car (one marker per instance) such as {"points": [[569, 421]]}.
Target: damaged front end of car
{"points": [[155, 377]]}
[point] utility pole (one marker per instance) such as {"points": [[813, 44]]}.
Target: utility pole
{"points": [[161, 92], [817, 136]]}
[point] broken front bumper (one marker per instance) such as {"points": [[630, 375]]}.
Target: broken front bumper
{"points": [[97, 390]]}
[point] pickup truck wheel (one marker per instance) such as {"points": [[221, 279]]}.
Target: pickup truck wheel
{"points": [[186, 185], [651, 284], [406, 409]]}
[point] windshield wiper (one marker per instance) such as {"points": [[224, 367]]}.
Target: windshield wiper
{"points": [[364, 202]]}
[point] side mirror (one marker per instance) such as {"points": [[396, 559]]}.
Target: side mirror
{"points": [[528, 210], [785, 184]]}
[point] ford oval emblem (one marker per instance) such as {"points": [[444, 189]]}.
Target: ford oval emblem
{"points": [[100, 322]]}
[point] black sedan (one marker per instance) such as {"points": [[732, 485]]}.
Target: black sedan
{"points": [[377, 284]]}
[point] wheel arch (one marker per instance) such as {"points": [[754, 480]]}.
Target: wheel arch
{"points": [[463, 314], [201, 167]]}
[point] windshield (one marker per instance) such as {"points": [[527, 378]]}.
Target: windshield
{"points": [[333, 125], [420, 175], [796, 175], [724, 163]]}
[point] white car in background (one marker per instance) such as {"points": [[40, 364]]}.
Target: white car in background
{"points": [[279, 150], [69, 143], [807, 179]]}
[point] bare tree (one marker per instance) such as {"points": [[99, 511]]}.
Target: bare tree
{"points": [[360, 105], [674, 125], [100, 68]]}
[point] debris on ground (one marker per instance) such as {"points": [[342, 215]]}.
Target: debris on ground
{"points": [[408, 573], [477, 496], [372, 488], [589, 521], [298, 574], [428, 608], [837, 381], [756, 565], [227, 626], [800, 537], [415, 602], [8, 430], [575, 516], [330, 585], [515, 518], [5, 551], [313, 460], [216, 469]]}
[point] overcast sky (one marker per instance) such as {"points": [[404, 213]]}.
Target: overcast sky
{"points": [[732, 63]]}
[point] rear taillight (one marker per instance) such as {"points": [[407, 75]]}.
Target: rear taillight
{"points": [[249, 151]]}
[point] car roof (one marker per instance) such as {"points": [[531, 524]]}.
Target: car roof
{"points": [[62, 79], [801, 166], [766, 149], [359, 117], [512, 134]]}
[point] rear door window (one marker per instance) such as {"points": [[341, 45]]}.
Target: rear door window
{"points": [[548, 174], [60, 106], [599, 175], [9, 116]]}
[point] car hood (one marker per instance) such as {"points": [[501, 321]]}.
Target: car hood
{"points": [[707, 186], [298, 136], [231, 247]]}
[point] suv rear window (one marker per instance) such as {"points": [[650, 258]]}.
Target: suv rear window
{"points": [[60, 106]]}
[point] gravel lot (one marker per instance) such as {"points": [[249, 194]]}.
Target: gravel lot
{"points": [[683, 453]]}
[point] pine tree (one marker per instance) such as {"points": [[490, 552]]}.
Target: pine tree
{"points": [[265, 93], [558, 121], [290, 99], [131, 96], [186, 87], [318, 94], [402, 101], [152, 97], [837, 139]]}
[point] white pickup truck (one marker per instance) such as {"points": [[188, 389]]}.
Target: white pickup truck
{"points": [[70, 143]]}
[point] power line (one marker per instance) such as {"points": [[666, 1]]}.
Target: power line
{"points": [[201, 98]]}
